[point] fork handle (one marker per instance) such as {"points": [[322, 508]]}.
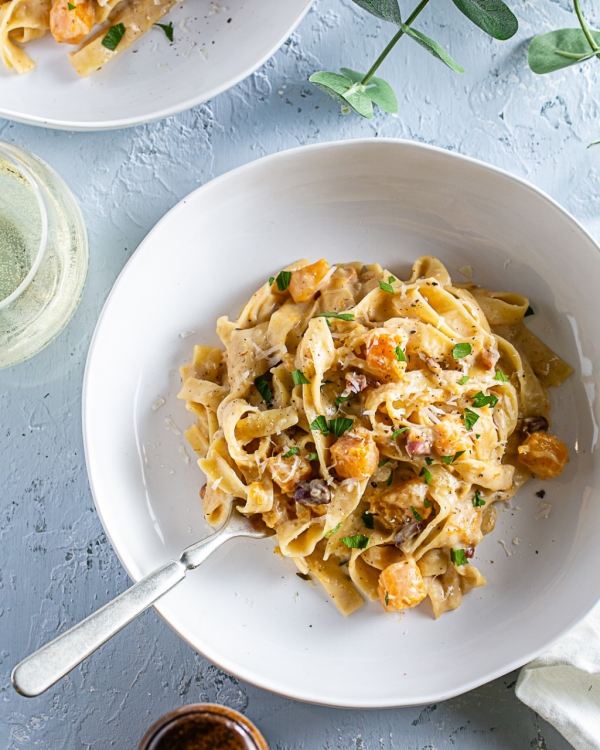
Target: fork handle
{"points": [[44, 667]]}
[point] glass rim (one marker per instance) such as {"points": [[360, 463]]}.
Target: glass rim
{"points": [[12, 155]]}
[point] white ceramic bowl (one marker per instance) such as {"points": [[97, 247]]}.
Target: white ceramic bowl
{"points": [[245, 609], [216, 45]]}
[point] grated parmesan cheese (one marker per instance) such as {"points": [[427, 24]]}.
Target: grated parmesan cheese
{"points": [[216, 483], [157, 404], [172, 426], [186, 334], [184, 454], [505, 546], [466, 271], [544, 511]]}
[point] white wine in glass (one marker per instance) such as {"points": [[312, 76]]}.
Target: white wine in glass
{"points": [[43, 255]]}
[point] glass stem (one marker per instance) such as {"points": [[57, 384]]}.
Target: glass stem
{"points": [[393, 41]]}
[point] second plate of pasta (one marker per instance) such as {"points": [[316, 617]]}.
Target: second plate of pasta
{"points": [[101, 64], [387, 356]]}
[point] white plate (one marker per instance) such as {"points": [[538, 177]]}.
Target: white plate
{"points": [[245, 609], [217, 44]]}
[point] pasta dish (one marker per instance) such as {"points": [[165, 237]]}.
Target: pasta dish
{"points": [[118, 24], [373, 424]]}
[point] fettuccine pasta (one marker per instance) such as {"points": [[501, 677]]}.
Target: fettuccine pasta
{"points": [[373, 423], [117, 23]]}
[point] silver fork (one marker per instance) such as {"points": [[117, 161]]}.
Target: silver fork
{"points": [[44, 667]]}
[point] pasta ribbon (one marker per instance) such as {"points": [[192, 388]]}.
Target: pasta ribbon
{"points": [[373, 423]]}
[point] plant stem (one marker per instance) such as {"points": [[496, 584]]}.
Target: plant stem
{"points": [[584, 28], [395, 39]]}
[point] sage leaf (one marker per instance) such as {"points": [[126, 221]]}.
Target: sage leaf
{"points": [[387, 10], [379, 91], [559, 49], [433, 47], [344, 91], [492, 16]]}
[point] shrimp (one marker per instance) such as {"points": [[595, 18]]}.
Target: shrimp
{"points": [[72, 21]]}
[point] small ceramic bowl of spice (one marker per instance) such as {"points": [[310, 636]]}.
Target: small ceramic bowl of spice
{"points": [[203, 726]]}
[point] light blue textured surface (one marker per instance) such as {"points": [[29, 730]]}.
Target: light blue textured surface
{"points": [[55, 563]]}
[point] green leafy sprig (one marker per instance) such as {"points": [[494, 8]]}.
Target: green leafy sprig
{"points": [[563, 48], [358, 92]]}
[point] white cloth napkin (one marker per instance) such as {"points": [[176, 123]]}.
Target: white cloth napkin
{"points": [[563, 684]]}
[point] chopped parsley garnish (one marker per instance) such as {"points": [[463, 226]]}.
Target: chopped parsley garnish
{"points": [[463, 380], [459, 557], [451, 459], [501, 376], [271, 280], [337, 426], [400, 355], [426, 474], [390, 479], [113, 36], [529, 311], [416, 513], [300, 378], [320, 423], [283, 280], [70, 6], [359, 541], [428, 460], [383, 462], [469, 418], [291, 452], [263, 388], [392, 279], [478, 501], [332, 531], [313, 456], [480, 399], [341, 399], [386, 287], [340, 425], [387, 598], [398, 432], [461, 350], [427, 503], [477, 436], [338, 316], [167, 28], [367, 519]]}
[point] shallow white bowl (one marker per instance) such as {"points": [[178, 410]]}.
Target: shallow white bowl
{"points": [[245, 609], [216, 45]]}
